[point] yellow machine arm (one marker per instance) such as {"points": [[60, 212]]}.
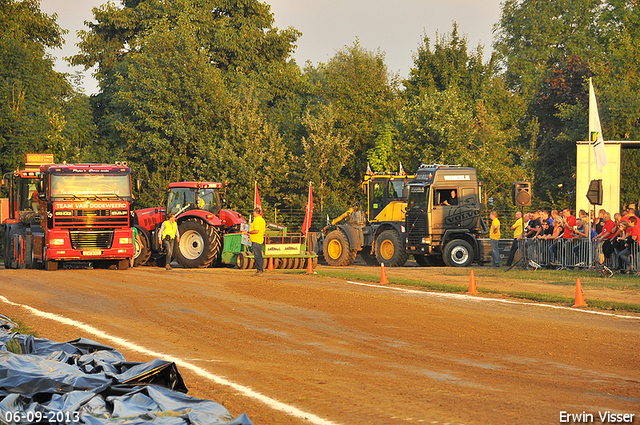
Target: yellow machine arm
{"points": [[344, 215]]}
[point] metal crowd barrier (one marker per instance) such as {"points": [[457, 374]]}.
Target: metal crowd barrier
{"points": [[571, 254]]}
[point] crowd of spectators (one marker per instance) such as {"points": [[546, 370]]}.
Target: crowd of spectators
{"points": [[568, 236]]}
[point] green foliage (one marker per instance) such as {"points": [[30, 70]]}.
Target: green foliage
{"points": [[39, 109], [382, 156], [357, 83], [458, 111]]}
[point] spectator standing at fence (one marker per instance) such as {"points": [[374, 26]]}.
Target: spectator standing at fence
{"points": [[545, 217], [517, 228], [621, 245], [599, 221], [580, 238], [609, 230], [632, 238], [494, 235], [556, 237]]}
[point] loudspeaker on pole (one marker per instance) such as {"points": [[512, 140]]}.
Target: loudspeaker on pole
{"points": [[594, 194], [521, 194]]}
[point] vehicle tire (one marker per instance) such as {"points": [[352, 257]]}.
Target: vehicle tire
{"points": [[336, 249], [8, 249], [141, 250], [242, 261], [421, 260], [252, 263], [122, 264], [199, 244], [51, 266], [458, 253], [315, 260], [369, 259], [390, 249]]}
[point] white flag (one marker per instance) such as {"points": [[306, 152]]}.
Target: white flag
{"points": [[595, 131]]}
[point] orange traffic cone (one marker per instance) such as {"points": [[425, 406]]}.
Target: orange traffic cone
{"points": [[580, 301], [310, 266], [383, 275], [473, 289], [270, 267]]}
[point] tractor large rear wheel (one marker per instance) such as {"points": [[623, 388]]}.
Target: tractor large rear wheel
{"points": [[390, 249], [199, 244], [336, 249]]}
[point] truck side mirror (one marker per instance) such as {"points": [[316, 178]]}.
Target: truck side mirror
{"points": [[5, 183], [139, 185]]}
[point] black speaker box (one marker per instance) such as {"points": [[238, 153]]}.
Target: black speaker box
{"points": [[594, 194], [521, 194]]}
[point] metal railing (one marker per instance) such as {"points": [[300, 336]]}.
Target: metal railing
{"points": [[581, 253]]}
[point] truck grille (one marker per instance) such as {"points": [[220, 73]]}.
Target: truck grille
{"points": [[97, 218], [416, 227], [88, 240]]}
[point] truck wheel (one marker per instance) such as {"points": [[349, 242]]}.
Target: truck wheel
{"points": [[199, 244], [141, 250], [458, 253], [390, 249], [51, 266], [122, 264], [369, 259], [336, 249]]}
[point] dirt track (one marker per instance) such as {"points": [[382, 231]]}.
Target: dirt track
{"points": [[347, 353]]}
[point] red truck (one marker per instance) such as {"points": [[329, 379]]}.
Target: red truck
{"points": [[68, 213], [202, 223]]}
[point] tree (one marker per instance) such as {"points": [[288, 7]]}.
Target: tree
{"points": [[356, 82], [458, 111], [175, 77], [39, 109]]}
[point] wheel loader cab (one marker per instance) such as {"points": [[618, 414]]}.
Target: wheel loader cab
{"points": [[381, 193]]}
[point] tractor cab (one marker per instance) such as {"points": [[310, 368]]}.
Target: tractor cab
{"points": [[186, 196], [386, 196]]}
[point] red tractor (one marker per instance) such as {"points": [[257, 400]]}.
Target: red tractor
{"points": [[201, 222]]}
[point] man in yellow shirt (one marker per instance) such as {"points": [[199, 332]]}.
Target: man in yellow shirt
{"points": [[517, 228], [256, 236], [494, 235]]}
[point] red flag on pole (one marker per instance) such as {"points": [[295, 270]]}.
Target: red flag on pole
{"points": [[306, 224], [256, 199]]}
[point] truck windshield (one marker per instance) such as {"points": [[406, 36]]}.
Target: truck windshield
{"points": [[418, 196], [90, 186]]}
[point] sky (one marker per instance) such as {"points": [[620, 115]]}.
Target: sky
{"points": [[394, 28]]}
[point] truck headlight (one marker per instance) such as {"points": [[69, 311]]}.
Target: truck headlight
{"points": [[56, 241], [125, 241]]}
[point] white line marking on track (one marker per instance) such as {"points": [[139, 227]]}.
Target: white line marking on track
{"points": [[244, 390], [498, 300]]}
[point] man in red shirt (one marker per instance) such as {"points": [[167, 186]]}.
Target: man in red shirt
{"points": [[570, 223], [609, 230], [632, 238]]}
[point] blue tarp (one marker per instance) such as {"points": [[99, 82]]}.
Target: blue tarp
{"points": [[83, 382]]}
